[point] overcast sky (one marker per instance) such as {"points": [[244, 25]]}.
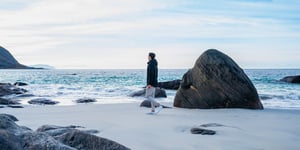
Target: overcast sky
{"points": [[118, 34]]}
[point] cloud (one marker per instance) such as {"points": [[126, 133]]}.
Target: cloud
{"points": [[105, 27]]}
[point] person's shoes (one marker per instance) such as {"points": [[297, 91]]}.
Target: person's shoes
{"points": [[159, 108]]}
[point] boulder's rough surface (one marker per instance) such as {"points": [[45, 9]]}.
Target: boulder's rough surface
{"points": [[82, 140], [216, 81]]}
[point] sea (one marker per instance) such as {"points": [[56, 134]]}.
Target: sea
{"points": [[110, 86]]}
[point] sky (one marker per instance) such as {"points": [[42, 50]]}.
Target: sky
{"points": [[118, 34]]}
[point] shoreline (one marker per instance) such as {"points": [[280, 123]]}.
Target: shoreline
{"points": [[128, 124]]}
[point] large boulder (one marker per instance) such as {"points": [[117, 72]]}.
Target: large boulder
{"points": [[216, 81], [291, 79]]}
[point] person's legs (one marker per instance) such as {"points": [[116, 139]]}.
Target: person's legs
{"points": [[150, 95]]}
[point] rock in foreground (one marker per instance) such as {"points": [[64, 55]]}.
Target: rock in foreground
{"points": [[15, 137], [216, 81]]}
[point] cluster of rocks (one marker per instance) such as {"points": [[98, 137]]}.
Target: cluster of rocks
{"points": [[7, 89], [10, 89], [13, 136]]}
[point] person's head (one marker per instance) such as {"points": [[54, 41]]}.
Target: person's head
{"points": [[151, 56]]}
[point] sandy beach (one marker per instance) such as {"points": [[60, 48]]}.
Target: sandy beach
{"points": [[129, 125]]}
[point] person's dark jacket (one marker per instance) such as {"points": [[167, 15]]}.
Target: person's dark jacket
{"points": [[152, 73]]}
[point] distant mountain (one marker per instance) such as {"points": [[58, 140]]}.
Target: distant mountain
{"points": [[42, 66], [7, 61]]}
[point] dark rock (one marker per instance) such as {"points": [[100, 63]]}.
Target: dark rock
{"points": [[42, 101], [15, 106], [291, 79], [202, 131], [4, 101], [158, 93], [147, 103], [20, 84], [170, 85], [8, 89], [211, 125], [56, 130], [45, 128], [83, 140], [11, 117], [78, 139], [7, 61], [9, 141], [13, 136], [37, 140], [86, 100], [216, 81]]}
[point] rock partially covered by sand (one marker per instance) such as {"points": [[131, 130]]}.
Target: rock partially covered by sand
{"points": [[42, 101], [86, 100], [216, 81]]}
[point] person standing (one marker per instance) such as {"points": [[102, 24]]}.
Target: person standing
{"points": [[152, 73]]}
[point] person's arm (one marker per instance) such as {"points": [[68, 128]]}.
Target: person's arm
{"points": [[150, 75]]}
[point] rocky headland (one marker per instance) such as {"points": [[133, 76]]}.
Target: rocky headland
{"points": [[8, 61]]}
